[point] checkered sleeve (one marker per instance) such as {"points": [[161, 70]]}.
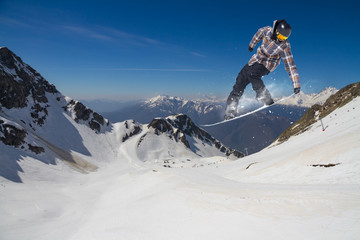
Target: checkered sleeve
{"points": [[290, 66], [257, 37]]}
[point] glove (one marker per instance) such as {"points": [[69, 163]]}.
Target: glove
{"points": [[297, 90], [250, 49]]}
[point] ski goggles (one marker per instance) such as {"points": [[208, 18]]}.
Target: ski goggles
{"points": [[280, 36]]}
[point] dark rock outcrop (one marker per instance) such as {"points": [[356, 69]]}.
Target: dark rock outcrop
{"points": [[36, 149], [18, 81], [95, 120], [11, 135], [132, 129]]}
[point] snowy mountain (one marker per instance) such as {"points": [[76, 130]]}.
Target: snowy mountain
{"points": [[308, 100], [38, 122], [307, 187], [179, 128]]}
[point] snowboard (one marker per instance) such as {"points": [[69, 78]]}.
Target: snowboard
{"points": [[246, 114]]}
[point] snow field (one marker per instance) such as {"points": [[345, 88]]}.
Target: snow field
{"points": [[274, 194]]}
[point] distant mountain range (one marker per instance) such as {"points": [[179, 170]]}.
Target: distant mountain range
{"points": [[200, 111], [248, 135]]}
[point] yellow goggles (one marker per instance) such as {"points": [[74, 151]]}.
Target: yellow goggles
{"points": [[281, 37]]}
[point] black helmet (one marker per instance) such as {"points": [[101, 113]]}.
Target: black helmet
{"points": [[282, 30]]}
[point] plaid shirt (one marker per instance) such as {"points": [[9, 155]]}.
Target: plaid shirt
{"points": [[270, 53]]}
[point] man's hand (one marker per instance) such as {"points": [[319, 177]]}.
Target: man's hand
{"points": [[250, 49], [297, 90]]}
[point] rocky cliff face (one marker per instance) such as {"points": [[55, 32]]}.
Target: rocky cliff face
{"points": [[13, 135], [22, 87], [316, 112], [18, 81]]}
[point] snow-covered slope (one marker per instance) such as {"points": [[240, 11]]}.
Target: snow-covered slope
{"points": [[312, 157]]}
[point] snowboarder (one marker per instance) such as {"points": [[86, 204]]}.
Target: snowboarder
{"points": [[275, 46]]}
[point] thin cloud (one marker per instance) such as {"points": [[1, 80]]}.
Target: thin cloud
{"points": [[129, 38], [160, 69], [114, 35], [12, 22], [89, 33], [196, 54]]}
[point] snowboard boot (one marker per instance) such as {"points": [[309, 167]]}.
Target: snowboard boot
{"points": [[229, 115], [269, 102], [264, 97], [231, 108]]}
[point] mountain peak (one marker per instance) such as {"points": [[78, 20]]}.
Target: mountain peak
{"points": [[308, 100], [181, 128], [9, 59], [19, 81], [328, 91], [163, 100]]}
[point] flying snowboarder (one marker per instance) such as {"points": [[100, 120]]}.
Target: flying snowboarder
{"points": [[275, 46]]}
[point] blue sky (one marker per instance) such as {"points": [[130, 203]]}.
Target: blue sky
{"points": [[139, 49]]}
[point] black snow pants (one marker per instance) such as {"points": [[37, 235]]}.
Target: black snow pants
{"points": [[250, 74]]}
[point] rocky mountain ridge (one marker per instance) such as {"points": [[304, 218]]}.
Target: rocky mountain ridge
{"points": [[180, 127]]}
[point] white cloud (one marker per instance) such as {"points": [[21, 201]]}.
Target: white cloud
{"points": [[111, 34], [196, 54], [159, 69], [89, 33]]}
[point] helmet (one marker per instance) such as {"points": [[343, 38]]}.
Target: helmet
{"points": [[282, 30]]}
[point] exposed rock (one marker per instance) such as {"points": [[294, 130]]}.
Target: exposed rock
{"points": [[40, 120], [95, 120], [132, 128], [326, 165], [36, 149], [161, 125], [19, 83], [11, 135]]}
